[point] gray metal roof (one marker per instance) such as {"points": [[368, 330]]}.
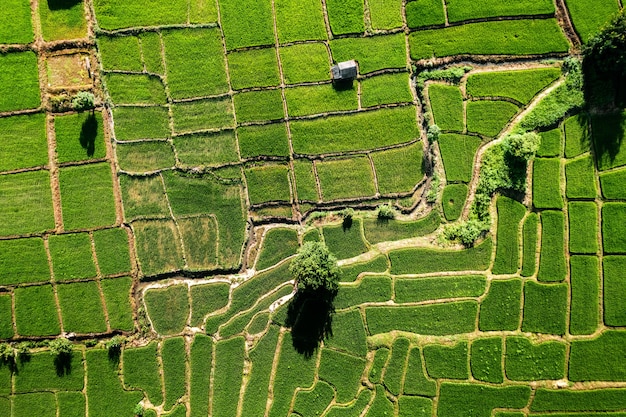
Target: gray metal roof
{"points": [[344, 70]]}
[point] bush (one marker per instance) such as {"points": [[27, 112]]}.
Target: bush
{"points": [[523, 146], [83, 100], [60, 347], [433, 133], [385, 212], [466, 232], [451, 75], [315, 268]]}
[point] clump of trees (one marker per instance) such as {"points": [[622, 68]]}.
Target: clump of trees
{"points": [[385, 212], [83, 100], [315, 268]]}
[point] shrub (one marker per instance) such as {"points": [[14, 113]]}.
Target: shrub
{"points": [[451, 75], [138, 410], [523, 146], [60, 347], [315, 268], [466, 232], [83, 100], [386, 212], [433, 133]]}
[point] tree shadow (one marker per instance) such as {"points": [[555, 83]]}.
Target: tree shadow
{"points": [[608, 135], [114, 354], [310, 317], [88, 134], [346, 224], [62, 4], [63, 364]]}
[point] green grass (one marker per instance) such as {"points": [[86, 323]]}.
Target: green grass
{"points": [[256, 106], [19, 73], [25, 203], [268, 183], [486, 360], [266, 140], [583, 227], [206, 149], [416, 382], [520, 85], [446, 103], [433, 319], [580, 176], [511, 37], [87, 206], [345, 16], [195, 62], [143, 196], [608, 131], [247, 23], [317, 99], [71, 404], [23, 260], [71, 256], [552, 259], [612, 185], [278, 244], [227, 376], [36, 311], [455, 399], [307, 62], [314, 402], [203, 114], [145, 156], [448, 362], [351, 272], [381, 356], [612, 290], [487, 117], [420, 13], [348, 333], [120, 53], [299, 20], [385, 14], [41, 404], [367, 130], [306, 185], [385, 89], [609, 346], [373, 53], [253, 68], [6, 312], [399, 170], [409, 290], [254, 399], [117, 293], [424, 260], [103, 383], [120, 14], [588, 21], [500, 309], [346, 178], [525, 361], [79, 137], [611, 399], [369, 289], [39, 373], [414, 406], [168, 308], [613, 232], [529, 234], [551, 143], [81, 308], [547, 183], [343, 372], [585, 282], [206, 299], [345, 242], [453, 200], [457, 152], [459, 10], [381, 231], [158, 246], [381, 406], [395, 370], [135, 89], [545, 308], [141, 123], [201, 358], [199, 236], [16, 23], [24, 142], [140, 368], [510, 214], [112, 251], [151, 47], [577, 135]]}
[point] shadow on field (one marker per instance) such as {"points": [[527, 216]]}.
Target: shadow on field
{"points": [[608, 135], [88, 134], [62, 4], [310, 317], [63, 364]]}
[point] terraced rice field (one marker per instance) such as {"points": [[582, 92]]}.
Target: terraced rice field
{"points": [[156, 230]]}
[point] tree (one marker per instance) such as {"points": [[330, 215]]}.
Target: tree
{"points": [[83, 100], [60, 347], [522, 146], [315, 268]]}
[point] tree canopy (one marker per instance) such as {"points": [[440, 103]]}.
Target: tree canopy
{"points": [[315, 268]]}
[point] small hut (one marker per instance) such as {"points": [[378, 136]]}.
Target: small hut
{"points": [[344, 71]]}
